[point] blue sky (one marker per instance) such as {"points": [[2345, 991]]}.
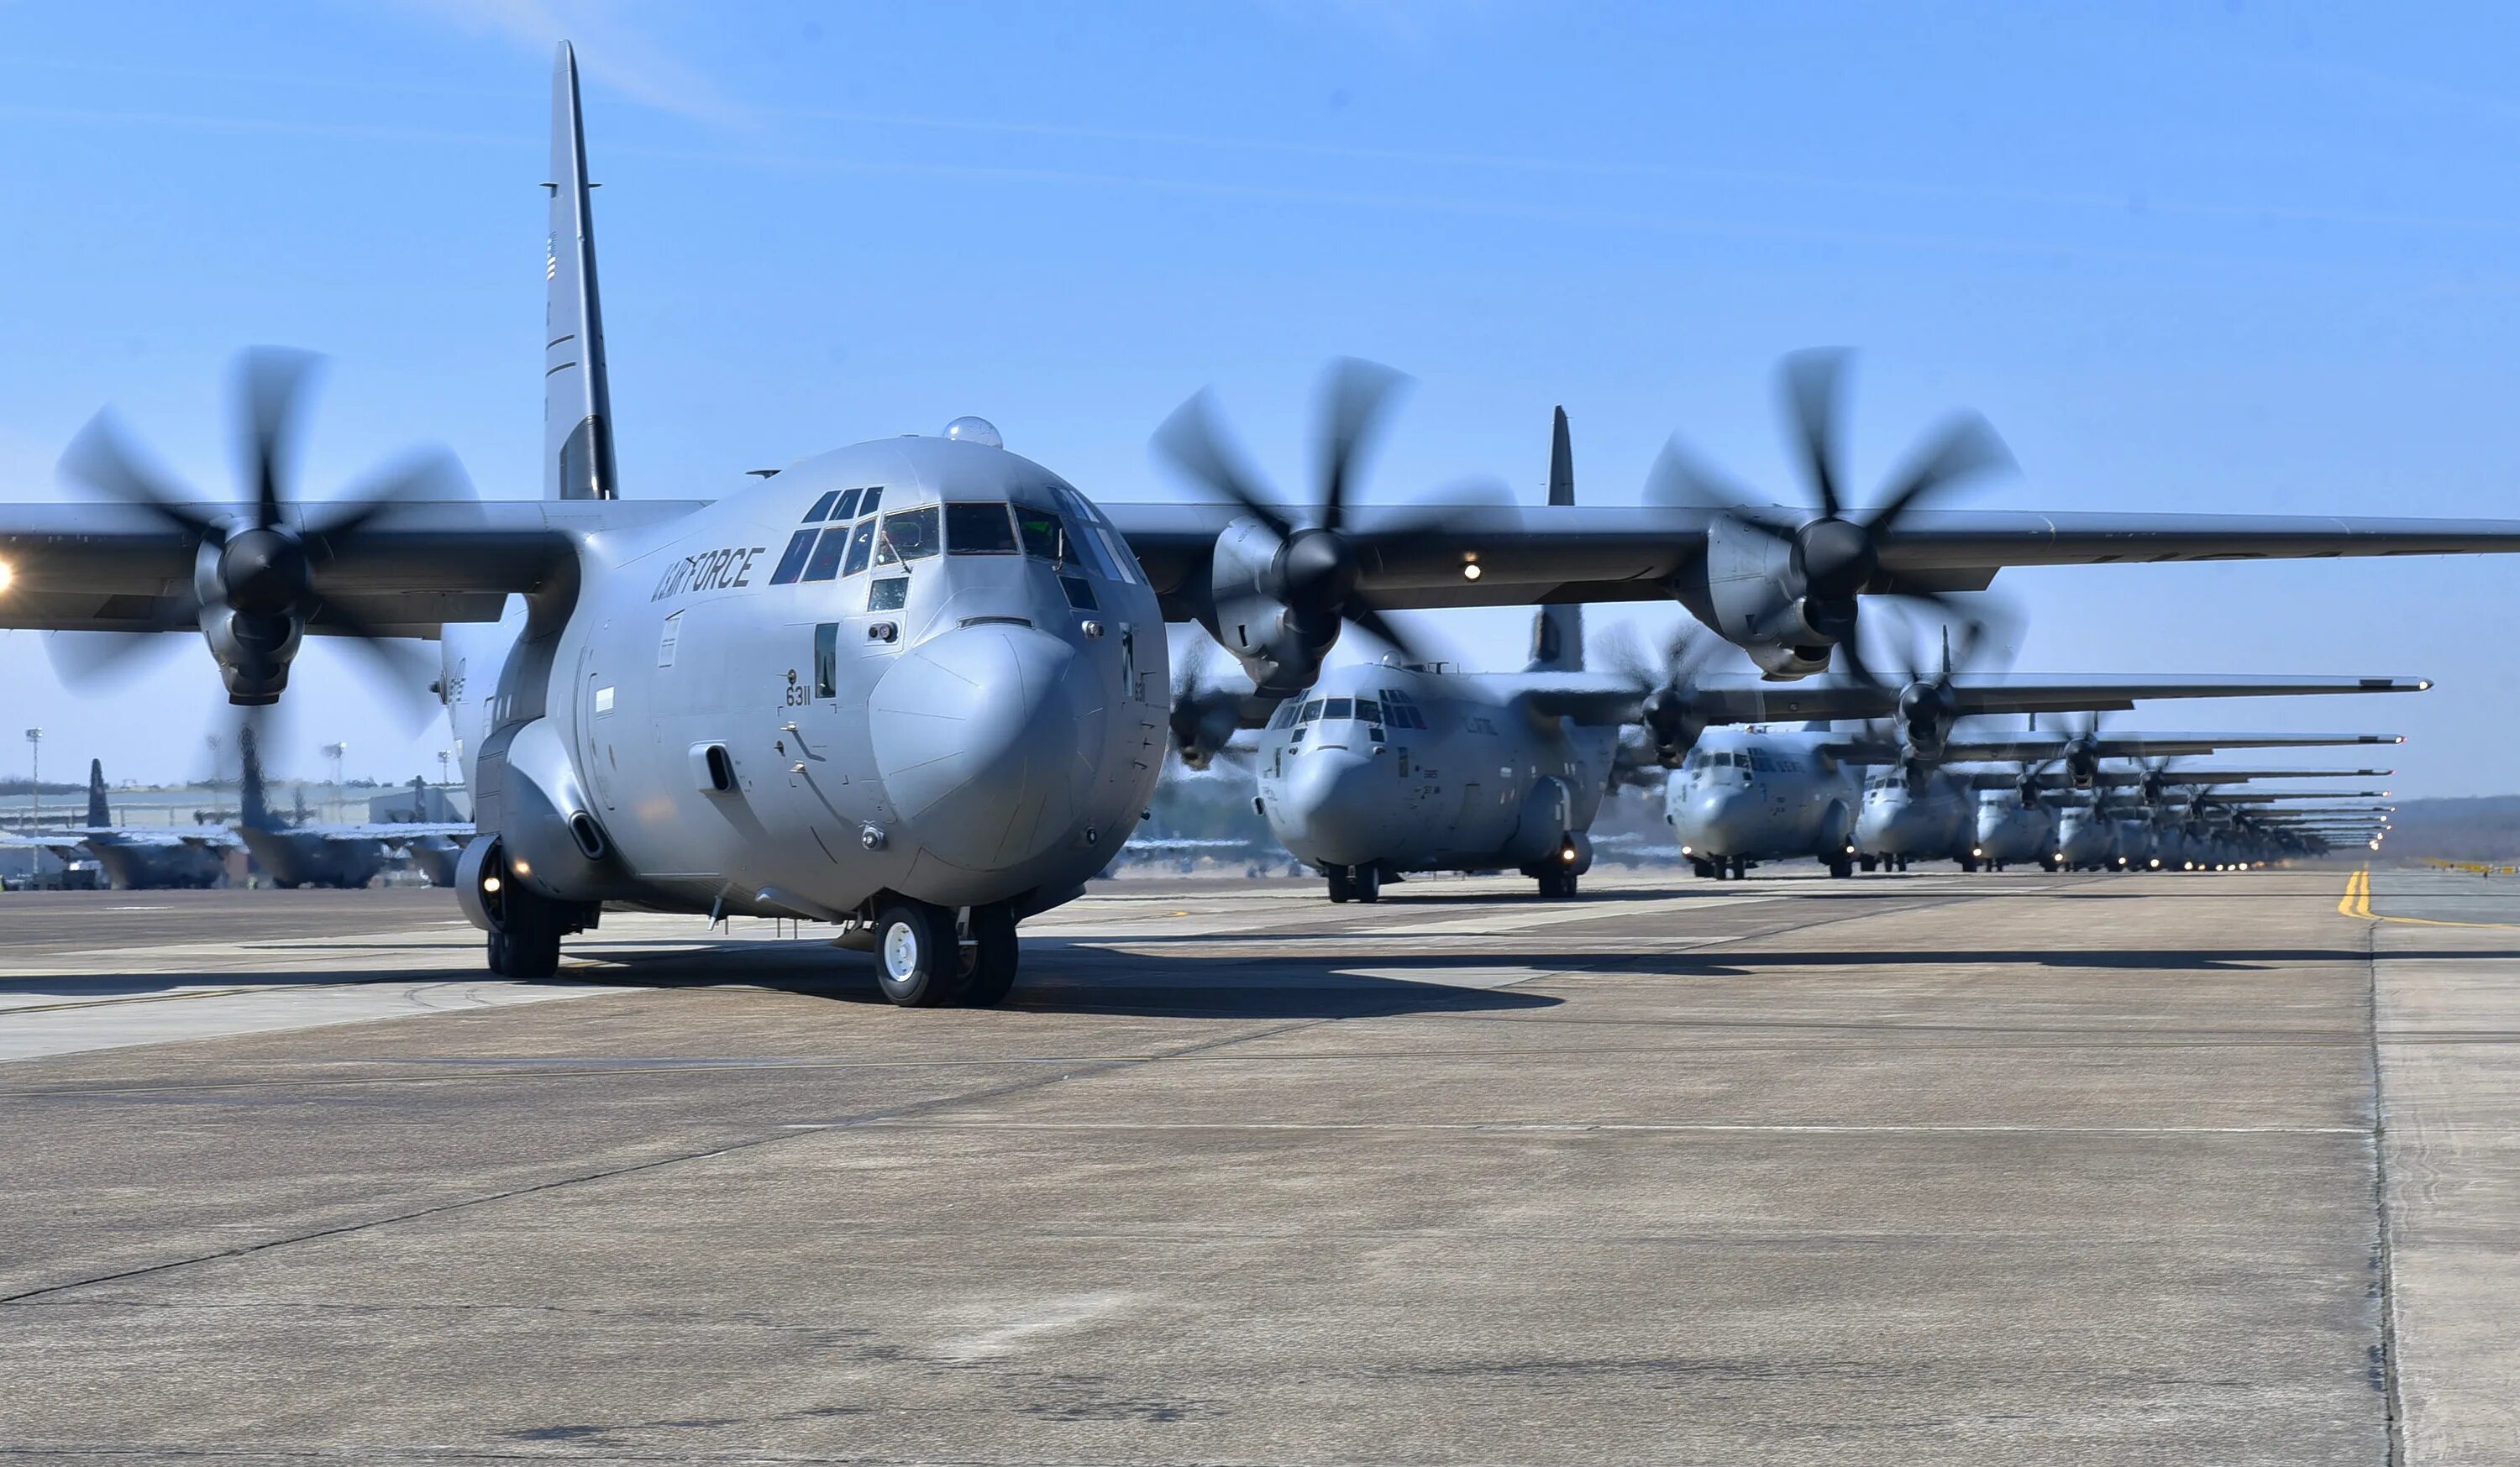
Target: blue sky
{"points": [[2243, 257]]}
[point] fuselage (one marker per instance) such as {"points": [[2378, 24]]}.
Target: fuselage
{"points": [[922, 666], [1405, 769], [1748, 793], [2009, 829], [1936, 820]]}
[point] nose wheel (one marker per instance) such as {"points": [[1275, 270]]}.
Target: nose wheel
{"points": [[921, 961], [1355, 883]]}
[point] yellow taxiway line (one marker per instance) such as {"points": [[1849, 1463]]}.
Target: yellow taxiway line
{"points": [[2357, 902]]}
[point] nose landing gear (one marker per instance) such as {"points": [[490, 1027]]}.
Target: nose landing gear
{"points": [[1359, 883], [922, 961]]}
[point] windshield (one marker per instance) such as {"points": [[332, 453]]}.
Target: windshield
{"points": [[908, 535]]}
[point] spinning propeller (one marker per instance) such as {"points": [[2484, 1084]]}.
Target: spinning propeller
{"points": [[1307, 566], [1667, 679], [253, 589], [1833, 558], [1204, 716]]}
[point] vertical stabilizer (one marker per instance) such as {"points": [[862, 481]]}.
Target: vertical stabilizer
{"points": [[99, 814], [251, 812], [577, 395], [1557, 631]]}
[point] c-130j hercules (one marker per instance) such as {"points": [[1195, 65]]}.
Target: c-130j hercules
{"points": [[918, 686]]}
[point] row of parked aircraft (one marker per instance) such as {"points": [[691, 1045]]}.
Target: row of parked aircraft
{"points": [[288, 852], [919, 687]]}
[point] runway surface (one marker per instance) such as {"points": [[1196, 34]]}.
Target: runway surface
{"points": [[1922, 1168]]}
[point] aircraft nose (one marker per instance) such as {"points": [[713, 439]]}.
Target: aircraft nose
{"points": [[984, 737], [1330, 808], [1720, 822]]}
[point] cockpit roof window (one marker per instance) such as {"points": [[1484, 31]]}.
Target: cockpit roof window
{"points": [[821, 507], [874, 496], [848, 505], [978, 530], [907, 535]]}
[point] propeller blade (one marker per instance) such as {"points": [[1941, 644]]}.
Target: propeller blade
{"points": [[1813, 381], [1195, 443], [92, 661], [271, 384], [1964, 448], [104, 460], [397, 663], [1368, 619], [423, 475], [1681, 480], [1356, 400]]}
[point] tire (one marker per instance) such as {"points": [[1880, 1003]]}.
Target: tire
{"points": [[918, 961], [1969, 864], [1842, 867], [1367, 884], [1868, 863], [1705, 870], [994, 953], [526, 945], [1340, 889]]}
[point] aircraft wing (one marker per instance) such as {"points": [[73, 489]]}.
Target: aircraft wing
{"points": [[2037, 745], [1585, 698], [77, 838], [1750, 701], [1415, 555], [107, 567], [390, 831]]}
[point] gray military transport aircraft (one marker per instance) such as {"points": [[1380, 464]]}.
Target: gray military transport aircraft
{"points": [[136, 858], [916, 686]]}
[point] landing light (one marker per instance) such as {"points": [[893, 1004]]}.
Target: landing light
{"points": [[5, 576], [1977, 852], [1568, 855], [1470, 570], [490, 884]]}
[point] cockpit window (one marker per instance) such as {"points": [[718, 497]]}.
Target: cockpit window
{"points": [[874, 496], [791, 560], [861, 546], [848, 508], [826, 554], [1339, 708], [1368, 710], [1312, 710], [1285, 716], [907, 535], [821, 507], [978, 530], [1045, 534]]}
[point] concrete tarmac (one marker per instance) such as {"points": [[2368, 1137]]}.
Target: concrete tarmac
{"points": [[1921, 1168]]}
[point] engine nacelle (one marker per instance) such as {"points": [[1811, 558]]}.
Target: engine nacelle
{"points": [[1281, 647]]}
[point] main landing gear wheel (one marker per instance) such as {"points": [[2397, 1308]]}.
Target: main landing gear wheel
{"points": [[527, 944], [1358, 883], [992, 955], [1558, 884], [918, 958]]}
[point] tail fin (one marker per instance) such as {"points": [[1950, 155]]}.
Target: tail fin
{"points": [[251, 812], [99, 814], [1557, 631], [577, 393]]}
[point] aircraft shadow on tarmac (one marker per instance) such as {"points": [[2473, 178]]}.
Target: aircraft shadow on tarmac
{"points": [[1083, 977]]}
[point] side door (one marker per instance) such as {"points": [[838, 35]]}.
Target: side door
{"points": [[597, 757]]}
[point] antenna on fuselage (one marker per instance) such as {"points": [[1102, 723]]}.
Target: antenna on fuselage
{"points": [[577, 392]]}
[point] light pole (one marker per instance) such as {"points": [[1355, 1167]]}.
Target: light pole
{"points": [[35, 777]]}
